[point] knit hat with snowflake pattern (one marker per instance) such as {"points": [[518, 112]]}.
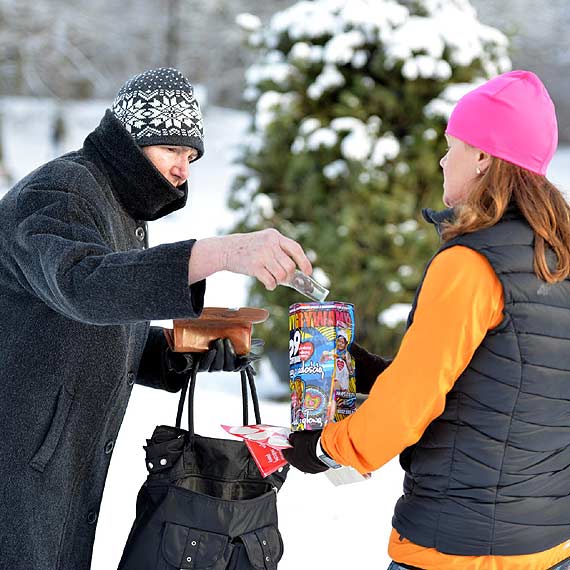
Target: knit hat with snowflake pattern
{"points": [[158, 107]]}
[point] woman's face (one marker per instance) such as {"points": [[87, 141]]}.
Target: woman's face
{"points": [[459, 165]]}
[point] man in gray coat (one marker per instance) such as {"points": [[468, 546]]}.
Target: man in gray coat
{"points": [[78, 287]]}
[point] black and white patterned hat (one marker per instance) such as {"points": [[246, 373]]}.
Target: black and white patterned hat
{"points": [[159, 107]]}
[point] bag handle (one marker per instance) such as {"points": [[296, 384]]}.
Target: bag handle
{"points": [[247, 378]]}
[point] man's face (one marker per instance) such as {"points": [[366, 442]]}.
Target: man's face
{"points": [[171, 161]]}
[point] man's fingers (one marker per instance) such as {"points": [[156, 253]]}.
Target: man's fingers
{"points": [[287, 264], [229, 355], [276, 269], [295, 251], [206, 360], [266, 278], [217, 347]]}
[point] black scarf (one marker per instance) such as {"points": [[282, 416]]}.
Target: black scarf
{"points": [[138, 185]]}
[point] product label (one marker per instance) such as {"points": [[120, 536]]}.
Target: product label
{"points": [[321, 369]]}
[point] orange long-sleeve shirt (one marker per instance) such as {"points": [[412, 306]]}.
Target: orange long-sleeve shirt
{"points": [[460, 300]]}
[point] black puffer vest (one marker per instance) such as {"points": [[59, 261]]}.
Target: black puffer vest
{"points": [[491, 475]]}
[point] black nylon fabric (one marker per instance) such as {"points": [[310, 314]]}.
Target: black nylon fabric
{"points": [[491, 475], [204, 505]]}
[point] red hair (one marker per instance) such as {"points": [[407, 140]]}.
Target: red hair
{"points": [[539, 201]]}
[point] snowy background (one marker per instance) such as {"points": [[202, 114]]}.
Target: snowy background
{"points": [[360, 514]]}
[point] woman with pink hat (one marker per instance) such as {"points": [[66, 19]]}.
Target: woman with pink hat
{"points": [[477, 400]]}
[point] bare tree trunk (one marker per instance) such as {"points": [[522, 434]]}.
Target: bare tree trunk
{"points": [[172, 33]]}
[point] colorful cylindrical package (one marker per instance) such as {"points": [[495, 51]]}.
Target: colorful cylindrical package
{"points": [[321, 368]]}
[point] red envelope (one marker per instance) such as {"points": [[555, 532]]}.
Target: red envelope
{"points": [[267, 459]]}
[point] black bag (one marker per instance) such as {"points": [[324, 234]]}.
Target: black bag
{"points": [[204, 504]]}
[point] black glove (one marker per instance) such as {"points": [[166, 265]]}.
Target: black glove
{"points": [[220, 356], [368, 367], [303, 454]]}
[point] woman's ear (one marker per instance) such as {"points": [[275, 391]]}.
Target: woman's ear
{"points": [[483, 161]]}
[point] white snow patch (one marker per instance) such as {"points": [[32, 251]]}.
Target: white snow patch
{"points": [[335, 169], [248, 22], [356, 145], [360, 59], [301, 51], [306, 20], [394, 286], [402, 168], [417, 34], [309, 125], [405, 271], [269, 105], [386, 148], [394, 315], [341, 124], [264, 204], [322, 137], [277, 72], [329, 78], [408, 226], [426, 67], [321, 277], [340, 49]]}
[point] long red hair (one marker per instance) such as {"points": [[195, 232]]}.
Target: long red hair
{"points": [[539, 201]]}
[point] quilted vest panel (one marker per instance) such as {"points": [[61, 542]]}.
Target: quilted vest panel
{"points": [[491, 475]]}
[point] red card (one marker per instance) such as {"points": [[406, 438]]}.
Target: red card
{"points": [[267, 459]]}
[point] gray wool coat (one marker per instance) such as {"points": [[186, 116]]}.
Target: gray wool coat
{"points": [[78, 285]]}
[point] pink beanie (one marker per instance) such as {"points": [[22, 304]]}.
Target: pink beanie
{"points": [[511, 117]]}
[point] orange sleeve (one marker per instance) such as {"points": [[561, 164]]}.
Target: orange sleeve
{"points": [[460, 300]]}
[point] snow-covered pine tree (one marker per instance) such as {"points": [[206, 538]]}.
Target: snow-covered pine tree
{"points": [[350, 100]]}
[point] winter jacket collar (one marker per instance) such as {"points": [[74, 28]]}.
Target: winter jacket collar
{"points": [[138, 185], [437, 218]]}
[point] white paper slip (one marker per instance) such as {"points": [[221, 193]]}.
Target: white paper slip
{"points": [[345, 475]]}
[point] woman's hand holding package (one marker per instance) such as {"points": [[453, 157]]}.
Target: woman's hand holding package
{"points": [[303, 454], [368, 367]]}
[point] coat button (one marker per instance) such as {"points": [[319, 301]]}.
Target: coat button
{"points": [[130, 378], [109, 446], [91, 517], [139, 232]]}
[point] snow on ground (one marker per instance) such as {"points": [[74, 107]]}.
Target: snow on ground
{"points": [[322, 525]]}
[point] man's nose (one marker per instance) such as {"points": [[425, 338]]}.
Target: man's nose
{"points": [[181, 169]]}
